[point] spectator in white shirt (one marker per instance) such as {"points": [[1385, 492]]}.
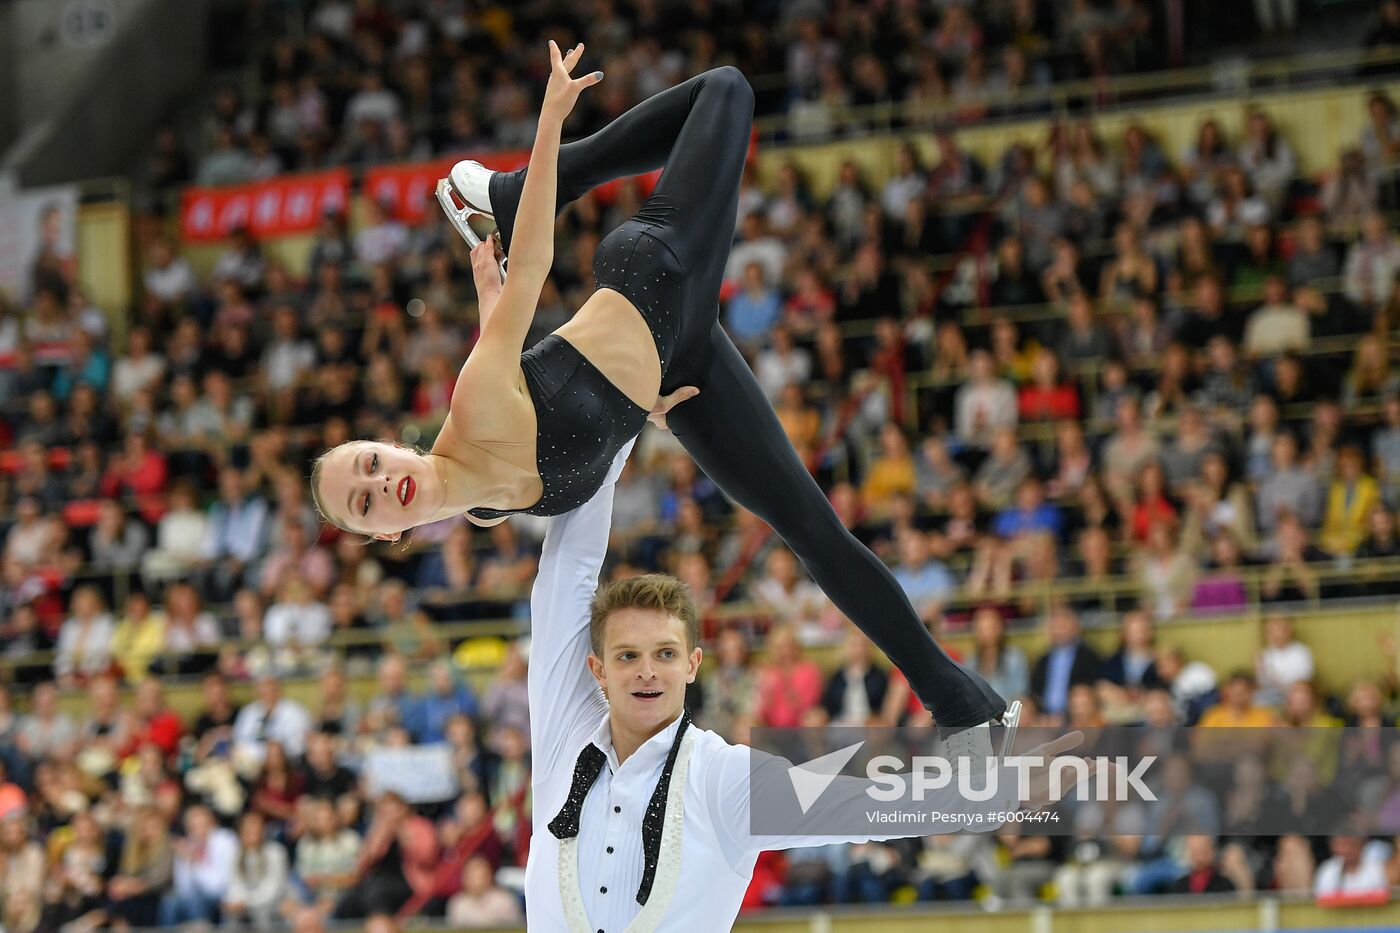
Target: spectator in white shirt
{"points": [[258, 883], [45, 731], [326, 851], [794, 599], [226, 163], [984, 403], [1268, 159], [137, 369], [482, 902], [782, 364], [203, 868], [1372, 262], [1354, 868], [242, 264], [85, 640], [296, 626], [34, 537], [909, 182], [372, 102], [1235, 208], [756, 244], [179, 536], [1278, 325], [288, 357], [382, 240], [271, 716], [1282, 662], [811, 53], [168, 276], [190, 632]]}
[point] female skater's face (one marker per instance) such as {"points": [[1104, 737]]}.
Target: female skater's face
{"points": [[377, 489]]}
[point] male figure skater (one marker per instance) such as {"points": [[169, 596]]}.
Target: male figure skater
{"points": [[641, 818]]}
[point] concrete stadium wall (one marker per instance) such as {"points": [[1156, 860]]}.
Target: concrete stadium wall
{"points": [[105, 266], [56, 43], [87, 110]]}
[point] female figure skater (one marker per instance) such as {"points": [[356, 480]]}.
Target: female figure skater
{"points": [[537, 432]]}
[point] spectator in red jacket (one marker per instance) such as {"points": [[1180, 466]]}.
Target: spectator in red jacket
{"points": [[1048, 397], [469, 833], [789, 686], [140, 472], [1152, 505], [156, 723]]}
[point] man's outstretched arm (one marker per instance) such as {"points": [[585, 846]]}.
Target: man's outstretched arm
{"points": [[564, 697]]}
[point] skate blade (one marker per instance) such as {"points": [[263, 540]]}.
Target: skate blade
{"points": [[1010, 720], [471, 225]]}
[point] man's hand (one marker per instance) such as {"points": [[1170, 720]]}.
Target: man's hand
{"points": [[485, 271], [665, 403], [563, 90], [1040, 776]]}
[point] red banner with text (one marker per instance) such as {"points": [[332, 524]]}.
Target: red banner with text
{"points": [[410, 190], [295, 203], [278, 206]]}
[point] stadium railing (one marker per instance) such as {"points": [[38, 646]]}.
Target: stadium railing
{"points": [[1238, 77], [1360, 586]]}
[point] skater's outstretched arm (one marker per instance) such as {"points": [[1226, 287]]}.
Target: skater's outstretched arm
{"points": [[564, 697], [503, 330]]}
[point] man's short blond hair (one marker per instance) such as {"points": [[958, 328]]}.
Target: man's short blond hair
{"points": [[659, 591]]}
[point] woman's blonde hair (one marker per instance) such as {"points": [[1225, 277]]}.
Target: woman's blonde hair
{"points": [[317, 468]]}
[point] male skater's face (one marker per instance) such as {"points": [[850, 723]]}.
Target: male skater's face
{"points": [[644, 667]]}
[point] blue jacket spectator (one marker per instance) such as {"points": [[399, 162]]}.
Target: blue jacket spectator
{"points": [[427, 716], [754, 311]]}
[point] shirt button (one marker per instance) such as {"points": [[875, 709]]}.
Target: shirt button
{"points": [[610, 850], [617, 809], [603, 889]]}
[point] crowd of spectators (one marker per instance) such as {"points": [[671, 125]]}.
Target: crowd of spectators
{"points": [[1167, 376], [373, 81]]}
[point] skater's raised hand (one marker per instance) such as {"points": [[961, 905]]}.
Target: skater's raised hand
{"points": [[563, 90]]}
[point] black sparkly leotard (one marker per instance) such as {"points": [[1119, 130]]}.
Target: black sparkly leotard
{"points": [[582, 419], [669, 260]]}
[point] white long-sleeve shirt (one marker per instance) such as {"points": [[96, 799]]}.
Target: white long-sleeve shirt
{"points": [[307, 623], [288, 722], [259, 887], [980, 409], [568, 710], [210, 872]]}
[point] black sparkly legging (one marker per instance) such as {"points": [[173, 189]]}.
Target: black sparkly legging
{"points": [[698, 133]]}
